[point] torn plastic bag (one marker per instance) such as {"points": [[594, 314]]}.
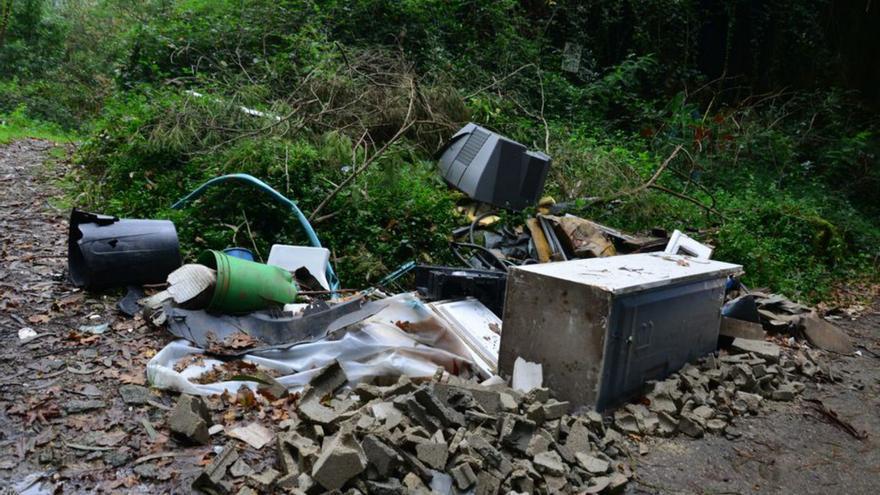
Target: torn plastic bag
{"points": [[403, 338]]}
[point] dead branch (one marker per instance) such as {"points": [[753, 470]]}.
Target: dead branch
{"points": [[688, 198]]}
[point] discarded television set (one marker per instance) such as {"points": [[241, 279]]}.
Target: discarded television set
{"points": [[493, 169]]}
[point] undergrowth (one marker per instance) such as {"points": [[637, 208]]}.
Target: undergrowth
{"points": [[341, 106]]}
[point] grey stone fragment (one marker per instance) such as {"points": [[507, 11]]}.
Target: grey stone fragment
{"points": [[392, 486], [690, 426], [540, 394], [190, 420], [516, 432], [487, 484], [448, 417], [667, 424], [825, 335], [704, 412], [265, 479], [752, 402], [626, 422], [591, 464], [549, 462], [78, 406], [212, 479], [246, 490], [662, 402], [380, 456], [240, 468], [340, 460], [540, 442], [322, 385], [492, 456], [134, 394], [507, 402], [433, 454], [785, 392], [463, 475], [598, 484], [766, 350], [580, 438], [716, 426], [555, 409]]}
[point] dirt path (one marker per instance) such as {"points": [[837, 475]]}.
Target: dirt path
{"points": [[62, 419], [65, 423], [787, 448]]}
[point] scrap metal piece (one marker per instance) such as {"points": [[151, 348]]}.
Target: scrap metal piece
{"points": [[316, 322]]}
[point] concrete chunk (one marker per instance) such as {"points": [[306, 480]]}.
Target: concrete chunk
{"points": [[212, 479], [741, 329], [434, 454], [380, 456], [825, 335], [592, 464], [761, 348], [341, 459], [190, 419], [550, 463], [464, 476], [322, 385]]}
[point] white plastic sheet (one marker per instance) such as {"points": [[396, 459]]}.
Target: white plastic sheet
{"points": [[405, 338]]}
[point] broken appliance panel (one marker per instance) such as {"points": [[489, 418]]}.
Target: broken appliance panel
{"points": [[602, 327]]}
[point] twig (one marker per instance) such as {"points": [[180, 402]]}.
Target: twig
{"points": [[646, 185], [251, 235], [498, 81], [831, 417], [687, 198], [88, 447]]}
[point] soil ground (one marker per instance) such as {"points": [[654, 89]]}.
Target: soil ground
{"points": [[64, 424]]}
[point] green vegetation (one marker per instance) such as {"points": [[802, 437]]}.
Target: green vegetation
{"points": [[774, 116], [17, 125]]}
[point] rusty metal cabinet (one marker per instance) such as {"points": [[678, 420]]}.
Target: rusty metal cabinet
{"points": [[602, 327]]}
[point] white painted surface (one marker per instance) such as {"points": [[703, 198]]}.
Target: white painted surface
{"points": [[291, 258], [679, 242], [633, 272]]}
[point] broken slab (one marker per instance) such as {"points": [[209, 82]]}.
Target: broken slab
{"points": [[190, 419], [341, 459], [323, 384], [213, 479], [741, 329], [592, 464], [434, 454], [766, 350], [380, 456], [550, 463], [464, 476], [824, 335], [253, 434]]}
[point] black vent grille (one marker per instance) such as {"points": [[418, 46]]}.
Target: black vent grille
{"points": [[472, 146]]}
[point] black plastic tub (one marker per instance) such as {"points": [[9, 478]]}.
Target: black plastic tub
{"points": [[105, 251]]}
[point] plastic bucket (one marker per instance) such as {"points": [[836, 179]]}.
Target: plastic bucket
{"points": [[244, 286], [105, 251], [242, 253]]}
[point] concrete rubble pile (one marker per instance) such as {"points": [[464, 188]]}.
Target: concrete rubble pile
{"points": [[452, 436], [709, 396]]}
